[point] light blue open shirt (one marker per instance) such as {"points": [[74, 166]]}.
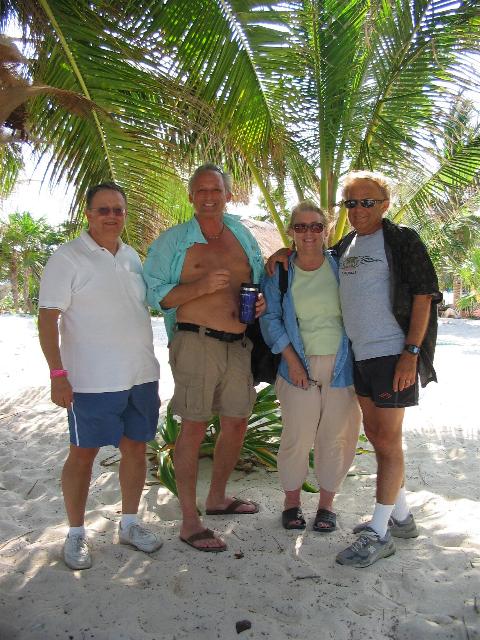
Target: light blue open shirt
{"points": [[280, 327], [164, 263]]}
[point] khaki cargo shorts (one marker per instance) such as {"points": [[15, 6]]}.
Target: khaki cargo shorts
{"points": [[211, 377]]}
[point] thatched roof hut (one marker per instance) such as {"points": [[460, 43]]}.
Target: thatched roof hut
{"points": [[266, 234]]}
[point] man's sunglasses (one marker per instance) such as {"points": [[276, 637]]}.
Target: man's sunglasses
{"points": [[105, 211], [366, 203], [302, 227]]}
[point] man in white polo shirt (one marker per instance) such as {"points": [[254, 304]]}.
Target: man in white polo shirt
{"points": [[103, 368]]}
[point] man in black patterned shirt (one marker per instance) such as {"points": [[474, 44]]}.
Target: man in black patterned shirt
{"points": [[387, 287]]}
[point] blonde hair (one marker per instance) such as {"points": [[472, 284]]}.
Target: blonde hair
{"points": [[382, 182], [302, 207]]}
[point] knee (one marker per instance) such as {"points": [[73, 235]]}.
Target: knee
{"points": [[234, 428], [191, 435], [387, 447], [132, 449], [81, 458]]}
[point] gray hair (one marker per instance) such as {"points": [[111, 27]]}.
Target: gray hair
{"points": [[382, 182], [209, 166]]}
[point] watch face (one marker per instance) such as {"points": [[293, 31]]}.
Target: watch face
{"points": [[412, 348]]}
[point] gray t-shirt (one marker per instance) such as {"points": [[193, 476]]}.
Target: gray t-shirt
{"points": [[365, 299]]}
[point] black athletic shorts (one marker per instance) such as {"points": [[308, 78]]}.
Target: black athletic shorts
{"points": [[373, 378]]}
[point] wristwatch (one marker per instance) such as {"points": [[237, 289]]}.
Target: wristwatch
{"points": [[412, 348]]}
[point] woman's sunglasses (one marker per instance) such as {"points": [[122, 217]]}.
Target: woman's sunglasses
{"points": [[302, 227], [366, 203]]}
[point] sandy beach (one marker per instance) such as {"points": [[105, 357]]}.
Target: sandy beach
{"points": [[285, 583]]}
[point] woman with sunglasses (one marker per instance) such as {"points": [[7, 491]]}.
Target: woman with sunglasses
{"points": [[314, 382]]}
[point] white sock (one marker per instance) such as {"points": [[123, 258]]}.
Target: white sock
{"points": [[128, 519], [77, 531], [400, 510], [381, 514]]}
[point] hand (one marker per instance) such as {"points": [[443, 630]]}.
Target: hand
{"points": [[279, 256], [297, 374], [405, 371], [260, 305], [215, 280], [62, 392]]}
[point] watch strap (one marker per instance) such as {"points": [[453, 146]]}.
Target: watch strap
{"points": [[412, 348]]}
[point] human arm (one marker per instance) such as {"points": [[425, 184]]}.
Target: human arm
{"points": [[406, 369], [280, 256], [275, 333], [415, 291], [296, 370], [61, 389], [185, 292]]}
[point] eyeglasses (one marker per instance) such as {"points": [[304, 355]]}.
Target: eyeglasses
{"points": [[366, 203], [303, 227], [104, 211]]}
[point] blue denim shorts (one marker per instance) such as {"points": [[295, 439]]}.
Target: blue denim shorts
{"points": [[100, 419]]}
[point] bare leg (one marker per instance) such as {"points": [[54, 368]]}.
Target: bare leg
{"points": [[187, 448], [292, 499], [326, 499], [227, 450], [383, 427], [132, 472], [76, 475]]}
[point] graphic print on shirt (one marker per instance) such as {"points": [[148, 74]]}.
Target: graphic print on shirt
{"points": [[352, 263], [365, 297]]}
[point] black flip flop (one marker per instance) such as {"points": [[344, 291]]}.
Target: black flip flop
{"points": [[290, 516], [327, 517]]}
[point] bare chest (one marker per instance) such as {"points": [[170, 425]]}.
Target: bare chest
{"points": [[223, 253]]}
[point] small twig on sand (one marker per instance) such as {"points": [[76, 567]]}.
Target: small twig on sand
{"points": [[31, 488], [280, 548], [108, 462], [466, 628], [4, 544], [422, 475], [308, 577], [386, 597]]}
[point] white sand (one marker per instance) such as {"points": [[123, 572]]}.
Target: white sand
{"points": [[287, 585]]}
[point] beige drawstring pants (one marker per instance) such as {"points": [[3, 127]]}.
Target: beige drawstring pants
{"points": [[327, 418]]}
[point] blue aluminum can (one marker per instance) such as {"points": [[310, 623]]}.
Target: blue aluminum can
{"points": [[248, 298]]}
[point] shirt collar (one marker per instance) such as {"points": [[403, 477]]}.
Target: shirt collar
{"points": [[92, 245]]}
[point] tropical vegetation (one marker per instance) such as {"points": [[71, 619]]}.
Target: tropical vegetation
{"points": [[260, 446], [25, 246], [281, 93]]}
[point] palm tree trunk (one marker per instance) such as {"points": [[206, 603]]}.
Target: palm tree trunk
{"points": [[13, 275], [457, 290]]}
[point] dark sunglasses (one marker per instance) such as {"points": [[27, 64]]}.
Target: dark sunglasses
{"points": [[367, 203], [104, 211], [303, 227]]}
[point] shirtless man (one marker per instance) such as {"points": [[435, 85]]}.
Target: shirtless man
{"points": [[193, 273]]}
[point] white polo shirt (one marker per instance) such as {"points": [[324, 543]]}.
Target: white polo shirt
{"points": [[106, 339]]}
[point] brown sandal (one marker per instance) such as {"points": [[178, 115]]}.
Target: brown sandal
{"points": [[206, 534]]}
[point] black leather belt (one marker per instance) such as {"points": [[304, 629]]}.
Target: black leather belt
{"points": [[223, 336]]}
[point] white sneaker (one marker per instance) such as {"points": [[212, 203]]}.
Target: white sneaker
{"points": [[139, 537], [76, 553]]}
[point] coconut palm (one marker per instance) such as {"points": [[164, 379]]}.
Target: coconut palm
{"points": [[297, 91], [25, 245]]}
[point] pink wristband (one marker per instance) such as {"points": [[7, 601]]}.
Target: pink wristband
{"points": [[58, 373]]}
